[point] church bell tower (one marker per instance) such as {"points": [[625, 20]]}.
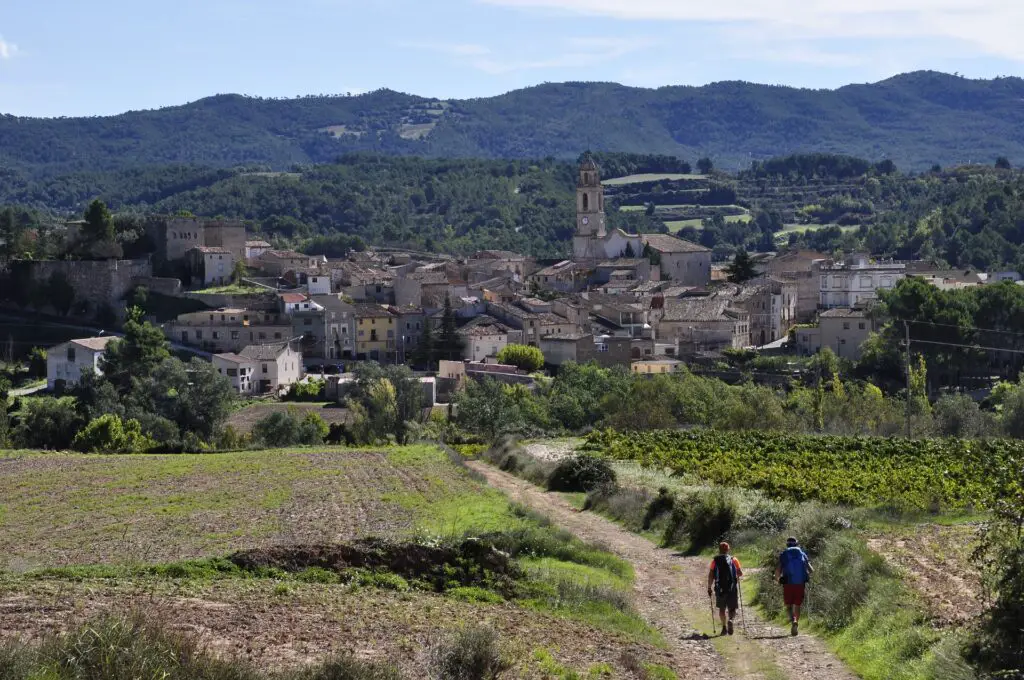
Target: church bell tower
{"points": [[589, 200]]}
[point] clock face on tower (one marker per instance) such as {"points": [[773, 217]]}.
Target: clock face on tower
{"points": [[586, 220]]}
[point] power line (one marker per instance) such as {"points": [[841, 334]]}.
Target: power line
{"points": [[981, 347], [969, 328]]}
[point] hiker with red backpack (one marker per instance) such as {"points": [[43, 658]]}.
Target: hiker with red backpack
{"points": [[724, 581], [793, 571]]}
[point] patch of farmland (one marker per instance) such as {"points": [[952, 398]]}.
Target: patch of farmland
{"points": [[652, 177], [64, 509]]}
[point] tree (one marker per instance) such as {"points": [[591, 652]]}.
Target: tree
{"points": [[137, 354], [239, 272], [1003, 163], [388, 399], [37, 362], [48, 423], [523, 357], [110, 434], [423, 354], [705, 166], [99, 223], [629, 252], [451, 343], [742, 268]]}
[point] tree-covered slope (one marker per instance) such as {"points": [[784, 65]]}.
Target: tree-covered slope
{"points": [[915, 119]]}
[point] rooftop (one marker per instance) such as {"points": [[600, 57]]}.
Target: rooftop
{"points": [[264, 352], [292, 298], [95, 344], [844, 313], [497, 255], [286, 254], [233, 358], [483, 326], [257, 244], [370, 310], [564, 267], [212, 250], [664, 243]]}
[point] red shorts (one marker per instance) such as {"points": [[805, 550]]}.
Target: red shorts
{"points": [[793, 595]]}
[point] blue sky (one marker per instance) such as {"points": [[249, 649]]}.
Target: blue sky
{"points": [[71, 57]]}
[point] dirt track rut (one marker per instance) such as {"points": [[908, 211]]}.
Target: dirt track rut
{"points": [[670, 590]]}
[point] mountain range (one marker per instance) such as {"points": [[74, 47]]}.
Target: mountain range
{"points": [[916, 119]]}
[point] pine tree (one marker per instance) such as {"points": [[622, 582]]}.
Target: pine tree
{"points": [[451, 344], [99, 223], [424, 352], [742, 267]]}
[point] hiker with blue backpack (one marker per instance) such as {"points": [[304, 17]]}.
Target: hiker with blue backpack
{"points": [[724, 581], [793, 572]]}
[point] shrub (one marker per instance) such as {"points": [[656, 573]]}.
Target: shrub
{"points": [[48, 423], [280, 429], [661, 505], [110, 434], [471, 654], [703, 518], [312, 390], [347, 668], [313, 430], [581, 472], [523, 357], [628, 506]]}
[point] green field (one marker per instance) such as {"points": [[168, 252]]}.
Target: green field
{"points": [[637, 179]]}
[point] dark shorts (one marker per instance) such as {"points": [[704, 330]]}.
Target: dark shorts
{"points": [[793, 595], [730, 601]]}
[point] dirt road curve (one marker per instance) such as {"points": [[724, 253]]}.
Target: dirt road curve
{"points": [[670, 593]]}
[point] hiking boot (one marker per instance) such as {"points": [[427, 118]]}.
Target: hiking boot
{"points": [[730, 628], [793, 629]]}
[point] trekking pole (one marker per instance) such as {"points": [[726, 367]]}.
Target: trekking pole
{"points": [[714, 628], [743, 613]]}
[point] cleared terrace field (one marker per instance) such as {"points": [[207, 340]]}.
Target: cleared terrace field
{"points": [[637, 179], [60, 509]]}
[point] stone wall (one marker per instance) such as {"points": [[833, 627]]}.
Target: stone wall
{"points": [[98, 284], [163, 286]]}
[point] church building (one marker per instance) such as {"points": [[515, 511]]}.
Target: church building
{"points": [[593, 243]]}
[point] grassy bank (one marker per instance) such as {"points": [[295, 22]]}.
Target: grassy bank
{"points": [[862, 605]]}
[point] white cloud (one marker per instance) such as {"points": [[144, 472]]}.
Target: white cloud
{"points": [[989, 26], [7, 49]]}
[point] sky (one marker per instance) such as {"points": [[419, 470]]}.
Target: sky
{"points": [[73, 58]]}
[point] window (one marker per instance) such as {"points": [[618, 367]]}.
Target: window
{"points": [[362, 333], [233, 372], [586, 199], [264, 368], [199, 335], [846, 325], [234, 335], [263, 336], [277, 336], [861, 325], [866, 281], [184, 336], [843, 341], [71, 354], [307, 322]]}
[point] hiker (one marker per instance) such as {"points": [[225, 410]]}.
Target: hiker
{"points": [[793, 572], [724, 579]]}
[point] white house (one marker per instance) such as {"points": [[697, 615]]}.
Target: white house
{"points": [[215, 264], [67, 363], [276, 366], [319, 284], [297, 302], [239, 370], [255, 249], [857, 282], [484, 336]]}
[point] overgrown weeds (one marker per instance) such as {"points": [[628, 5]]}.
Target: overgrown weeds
{"points": [[473, 653]]}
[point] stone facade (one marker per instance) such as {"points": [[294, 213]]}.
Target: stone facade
{"points": [[98, 284], [175, 236]]}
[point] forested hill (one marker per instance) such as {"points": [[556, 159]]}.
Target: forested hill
{"points": [[915, 119]]}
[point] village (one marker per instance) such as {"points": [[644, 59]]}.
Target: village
{"points": [[649, 303]]}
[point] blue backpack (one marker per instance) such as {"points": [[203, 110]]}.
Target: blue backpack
{"points": [[794, 566]]}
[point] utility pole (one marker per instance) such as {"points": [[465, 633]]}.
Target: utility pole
{"points": [[906, 348]]}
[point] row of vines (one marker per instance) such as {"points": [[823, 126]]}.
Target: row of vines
{"points": [[936, 474]]}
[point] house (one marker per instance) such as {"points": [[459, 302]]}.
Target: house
{"points": [[423, 289], [239, 370], [657, 366], [254, 249], [491, 263], [807, 339], [484, 337], [800, 267], [280, 262], [68, 362], [844, 330], [292, 303], [562, 277], [210, 265], [319, 283], [277, 366], [228, 329], [857, 281], [375, 332], [410, 323], [771, 305], [699, 324], [583, 348], [685, 263]]}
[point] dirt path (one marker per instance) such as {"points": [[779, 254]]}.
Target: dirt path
{"points": [[670, 593]]}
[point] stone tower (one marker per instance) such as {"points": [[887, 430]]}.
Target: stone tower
{"points": [[590, 225]]}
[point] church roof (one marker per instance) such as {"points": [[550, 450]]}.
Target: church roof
{"points": [[589, 164], [664, 243]]}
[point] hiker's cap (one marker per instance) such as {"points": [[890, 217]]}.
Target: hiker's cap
{"points": [[791, 542], [723, 547]]}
